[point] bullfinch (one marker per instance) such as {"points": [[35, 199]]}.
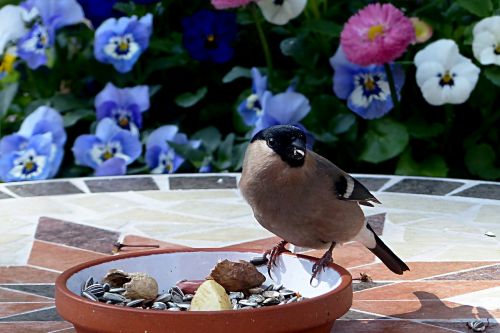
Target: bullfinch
{"points": [[305, 199]]}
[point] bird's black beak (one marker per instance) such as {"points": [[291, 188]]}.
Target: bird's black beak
{"points": [[299, 149]]}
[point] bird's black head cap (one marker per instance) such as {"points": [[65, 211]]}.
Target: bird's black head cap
{"points": [[289, 142]]}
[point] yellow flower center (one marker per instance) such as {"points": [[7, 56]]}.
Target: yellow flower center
{"points": [[123, 121], [107, 155], [447, 78], [497, 49], [7, 64], [123, 46], [210, 38], [29, 166], [375, 31], [369, 84]]}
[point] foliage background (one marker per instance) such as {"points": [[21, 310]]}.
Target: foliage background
{"points": [[459, 141]]}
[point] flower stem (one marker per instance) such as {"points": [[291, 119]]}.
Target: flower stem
{"points": [[392, 87], [263, 41], [315, 9]]}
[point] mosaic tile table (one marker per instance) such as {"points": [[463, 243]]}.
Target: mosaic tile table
{"points": [[437, 226]]}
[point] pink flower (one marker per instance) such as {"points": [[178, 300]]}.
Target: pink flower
{"points": [[224, 4], [377, 34]]}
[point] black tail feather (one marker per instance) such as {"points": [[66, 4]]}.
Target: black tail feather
{"points": [[388, 257]]}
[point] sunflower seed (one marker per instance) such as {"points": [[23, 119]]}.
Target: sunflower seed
{"points": [[187, 298], [95, 289], [477, 326], [164, 298], [183, 306], [159, 306], [259, 261], [90, 296], [89, 282], [270, 293], [174, 309], [106, 287], [117, 290], [286, 292], [113, 297], [256, 298], [135, 303], [270, 301], [278, 287], [236, 295], [246, 302], [291, 300]]}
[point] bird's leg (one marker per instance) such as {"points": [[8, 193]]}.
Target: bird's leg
{"points": [[274, 254], [322, 262]]}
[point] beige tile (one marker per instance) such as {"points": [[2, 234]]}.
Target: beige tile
{"points": [[15, 248], [441, 237], [472, 252], [32, 206], [489, 214], [183, 195], [423, 204], [405, 217], [219, 210], [103, 202], [229, 235], [488, 299], [447, 223], [146, 214], [164, 231]]}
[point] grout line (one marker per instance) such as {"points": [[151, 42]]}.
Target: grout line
{"points": [[44, 268], [27, 312], [24, 293]]}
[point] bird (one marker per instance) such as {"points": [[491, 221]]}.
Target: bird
{"points": [[305, 199]]}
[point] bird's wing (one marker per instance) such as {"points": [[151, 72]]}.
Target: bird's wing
{"points": [[345, 187]]}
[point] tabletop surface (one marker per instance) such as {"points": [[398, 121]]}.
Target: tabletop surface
{"points": [[446, 230]]}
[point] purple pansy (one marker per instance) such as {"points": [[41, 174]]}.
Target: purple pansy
{"points": [[124, 106], [110, 142], [366, 88], [54, 14], [120, 42], [160, 157]]}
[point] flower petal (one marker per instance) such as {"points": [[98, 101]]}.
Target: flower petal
{"points": [[287, 107], [130, 144], [113, 167], [57, 14], [160, 136], [11, 25], [82, 148]]}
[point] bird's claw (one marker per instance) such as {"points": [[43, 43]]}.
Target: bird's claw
{"points": [[274, 253], [322, 263]]}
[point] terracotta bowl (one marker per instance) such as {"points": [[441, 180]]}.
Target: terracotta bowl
{"points": [[328, 299]]}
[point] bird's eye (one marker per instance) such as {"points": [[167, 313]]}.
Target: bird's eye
{"points": [[271, 141]]}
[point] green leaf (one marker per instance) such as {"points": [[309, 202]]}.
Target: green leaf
{"points": [[210, 137], [192, 154], [480, 160], [64, 103], [481, 8], [224, 152], [419, 129], [7, 94], [239, 155], [323, 27], [384, 140], [235, 73], [188, 99], [342, 122], [432, 166], [128, 8], [72, 117], [493, 74], [154, 89], [291, 46]]}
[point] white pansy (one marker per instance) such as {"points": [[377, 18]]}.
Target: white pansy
{"points": [[443, 74], [281, 11], [12, 25], [486, 42]]}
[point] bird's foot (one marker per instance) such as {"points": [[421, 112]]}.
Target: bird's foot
{"points": [[274, 253], [322, 262]]}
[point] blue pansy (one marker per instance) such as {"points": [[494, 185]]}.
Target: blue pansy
{"points": [[365, 88], [31, 161], [124, 106], [287, 108], [160, 157], [45, 124], [110, 142], [208, 35], [121, 42], [251, 108], [54, 14]]}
